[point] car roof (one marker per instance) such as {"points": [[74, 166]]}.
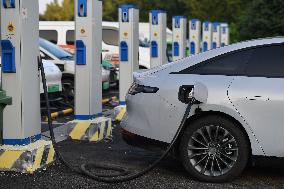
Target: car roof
{"points": [[184, 63]]}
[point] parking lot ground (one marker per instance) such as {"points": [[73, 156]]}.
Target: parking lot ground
{"points": [[168, 174]]}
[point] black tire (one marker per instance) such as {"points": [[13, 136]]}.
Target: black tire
{"points": [[68, 91], [187, 149]]}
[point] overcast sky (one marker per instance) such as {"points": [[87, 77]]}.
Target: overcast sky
{"points": [[42, 5]]}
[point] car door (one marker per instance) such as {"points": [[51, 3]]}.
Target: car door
{"points": [[259, 97], [215, 73]]}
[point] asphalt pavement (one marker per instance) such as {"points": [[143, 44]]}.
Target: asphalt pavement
{"points": [[168, 174]]}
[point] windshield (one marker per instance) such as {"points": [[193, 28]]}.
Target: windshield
{"points": [[55, 50]]}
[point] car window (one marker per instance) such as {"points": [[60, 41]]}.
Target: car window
{"points": [[229, 64], [70, 37], [50, 35], [55, 50], [266, 61], [111, 37]]}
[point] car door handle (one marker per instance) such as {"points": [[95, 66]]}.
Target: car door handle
{"points": [[260, 98]]}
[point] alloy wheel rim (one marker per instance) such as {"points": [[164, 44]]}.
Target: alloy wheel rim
{"points": [[212, 150]]}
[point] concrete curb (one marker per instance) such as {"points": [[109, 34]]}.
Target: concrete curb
{"points": [[90, 130], [26, 159], [119, 113]]}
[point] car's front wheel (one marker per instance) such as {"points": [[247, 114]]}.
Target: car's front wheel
{"points": [[214, 149]]}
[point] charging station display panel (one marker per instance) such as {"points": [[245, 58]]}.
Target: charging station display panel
{"points": [[158, 27]]}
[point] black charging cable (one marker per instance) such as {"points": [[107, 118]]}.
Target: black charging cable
{"points": [[121, 174]]}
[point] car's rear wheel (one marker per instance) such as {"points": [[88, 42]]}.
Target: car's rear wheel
{"points": [[214, 149]]}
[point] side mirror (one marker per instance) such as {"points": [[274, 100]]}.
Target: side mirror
{"points": [[198, 91]]}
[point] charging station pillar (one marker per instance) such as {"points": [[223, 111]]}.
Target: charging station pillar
{"points": [[194, 36], [158, 35], [20, 76], [129, 47], [225, 34], [22, 149], [89, 124], [207, 36], [216, 35], [179, 37], [88, 71]]}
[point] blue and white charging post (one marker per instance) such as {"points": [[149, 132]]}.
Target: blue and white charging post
{"points": [[89, 124], [207, 36], [22, 147], [20, 77], [129, 47], [225, 34], [216, 35], [129, 53], [158, 35], [179, 37], [88, 71], [194, 36]]}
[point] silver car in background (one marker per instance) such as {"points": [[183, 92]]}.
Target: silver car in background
{"points": [[241, 117]]}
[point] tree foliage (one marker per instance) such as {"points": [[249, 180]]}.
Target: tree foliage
{"points": [[57, 12], [264, 18], [247, 19]]}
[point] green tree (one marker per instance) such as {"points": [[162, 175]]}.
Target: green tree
{"points": [[264, 18], [229, 11], [56, 12]]}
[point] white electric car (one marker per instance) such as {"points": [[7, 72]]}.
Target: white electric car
{"points": [[239, 111]]}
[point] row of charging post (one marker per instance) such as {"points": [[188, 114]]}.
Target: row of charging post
{"points": [[202, 36]]}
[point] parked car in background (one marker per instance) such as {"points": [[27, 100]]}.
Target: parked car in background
{"points": [[53, 81], [65, 61], [238, 113]]}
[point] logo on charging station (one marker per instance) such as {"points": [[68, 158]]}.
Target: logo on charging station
{"points": [[11, 27], [125, 34], [83, 32]]}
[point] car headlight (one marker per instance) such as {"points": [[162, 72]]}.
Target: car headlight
{"points": [[136, 88]]}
